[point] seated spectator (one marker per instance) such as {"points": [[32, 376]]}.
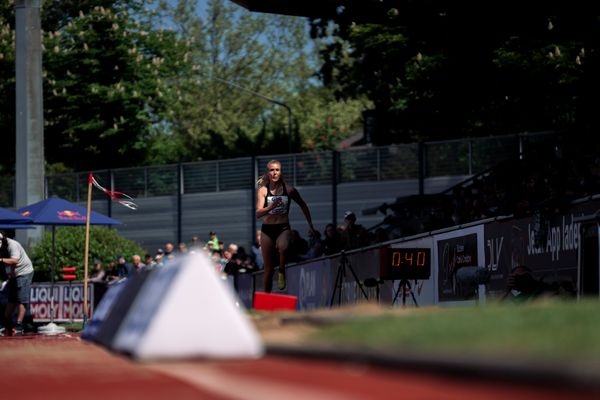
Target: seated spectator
{"points": [[332, 242], [354, 236]]}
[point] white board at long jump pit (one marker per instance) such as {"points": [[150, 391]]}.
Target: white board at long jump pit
{"points": [[186, 310]]}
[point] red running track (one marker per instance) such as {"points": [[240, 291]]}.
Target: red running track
{"points": [[64, 367]]}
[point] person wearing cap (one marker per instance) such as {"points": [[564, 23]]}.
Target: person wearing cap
{"points": [[213, 242], [19, 269], [273, 201], [354, 235], [158, 258]]}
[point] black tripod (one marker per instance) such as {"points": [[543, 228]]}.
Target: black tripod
{"points": [[405, 287], [339, 280]]}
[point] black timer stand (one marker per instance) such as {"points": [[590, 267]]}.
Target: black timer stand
{"points": [[339, 280], [405, 287]]}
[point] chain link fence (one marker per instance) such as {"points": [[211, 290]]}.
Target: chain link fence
{"points": [[395, 162]]}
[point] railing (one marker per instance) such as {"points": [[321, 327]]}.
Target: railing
{"points": [[395, 162]]}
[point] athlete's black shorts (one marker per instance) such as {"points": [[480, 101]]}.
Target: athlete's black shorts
{"points": [[274, 230]]}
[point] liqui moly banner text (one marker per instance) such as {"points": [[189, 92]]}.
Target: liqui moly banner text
{"points": [[68, 301]]}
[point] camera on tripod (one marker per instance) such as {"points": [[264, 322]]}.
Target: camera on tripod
{"points": [[340, 278]]}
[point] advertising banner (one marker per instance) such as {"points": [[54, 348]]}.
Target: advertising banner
{"points": [[547, 245], [68, 301], [245, 288], [311, 283], [458, 251]]}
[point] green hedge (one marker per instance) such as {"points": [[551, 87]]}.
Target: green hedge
{"points": [[105, 245]]}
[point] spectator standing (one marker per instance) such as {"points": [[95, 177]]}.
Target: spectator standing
{"points": [[195, 244], [233, 249], [169, 252], [354, 236], [256, 253], [112, 274], [3, 298], [182, 248], [213, 242], [98, 274], [19, 269], [159, 258], [148, 260], [273, 205], [136, 264], [229, 264], [122, 267]]}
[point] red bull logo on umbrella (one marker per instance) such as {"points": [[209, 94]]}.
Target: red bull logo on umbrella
{"points": [[26, 213], [68, 215]]}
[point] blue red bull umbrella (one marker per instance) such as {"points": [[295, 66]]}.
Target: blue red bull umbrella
{"points": [[57, 211], [8, 217], [17, 226]]}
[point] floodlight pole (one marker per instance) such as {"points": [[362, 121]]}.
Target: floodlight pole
{"points": [[276, 102], [29, 117]]}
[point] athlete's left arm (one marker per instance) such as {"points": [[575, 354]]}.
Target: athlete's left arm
{"points": [[295, 195]]}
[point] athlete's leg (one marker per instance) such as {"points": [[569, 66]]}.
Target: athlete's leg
{"points": [[267, 248], [283, 242]]}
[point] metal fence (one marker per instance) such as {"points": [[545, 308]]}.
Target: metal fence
{"points": [[395, 162]]}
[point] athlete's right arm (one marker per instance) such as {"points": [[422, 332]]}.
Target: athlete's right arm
{"points": [[261, 210]]}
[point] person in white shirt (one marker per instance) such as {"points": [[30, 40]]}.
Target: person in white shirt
{"points": [[19, 269]]}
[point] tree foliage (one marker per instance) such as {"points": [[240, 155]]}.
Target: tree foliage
{"points": [[133, 82], [108, 77], [438, 69], [243, 63]]}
